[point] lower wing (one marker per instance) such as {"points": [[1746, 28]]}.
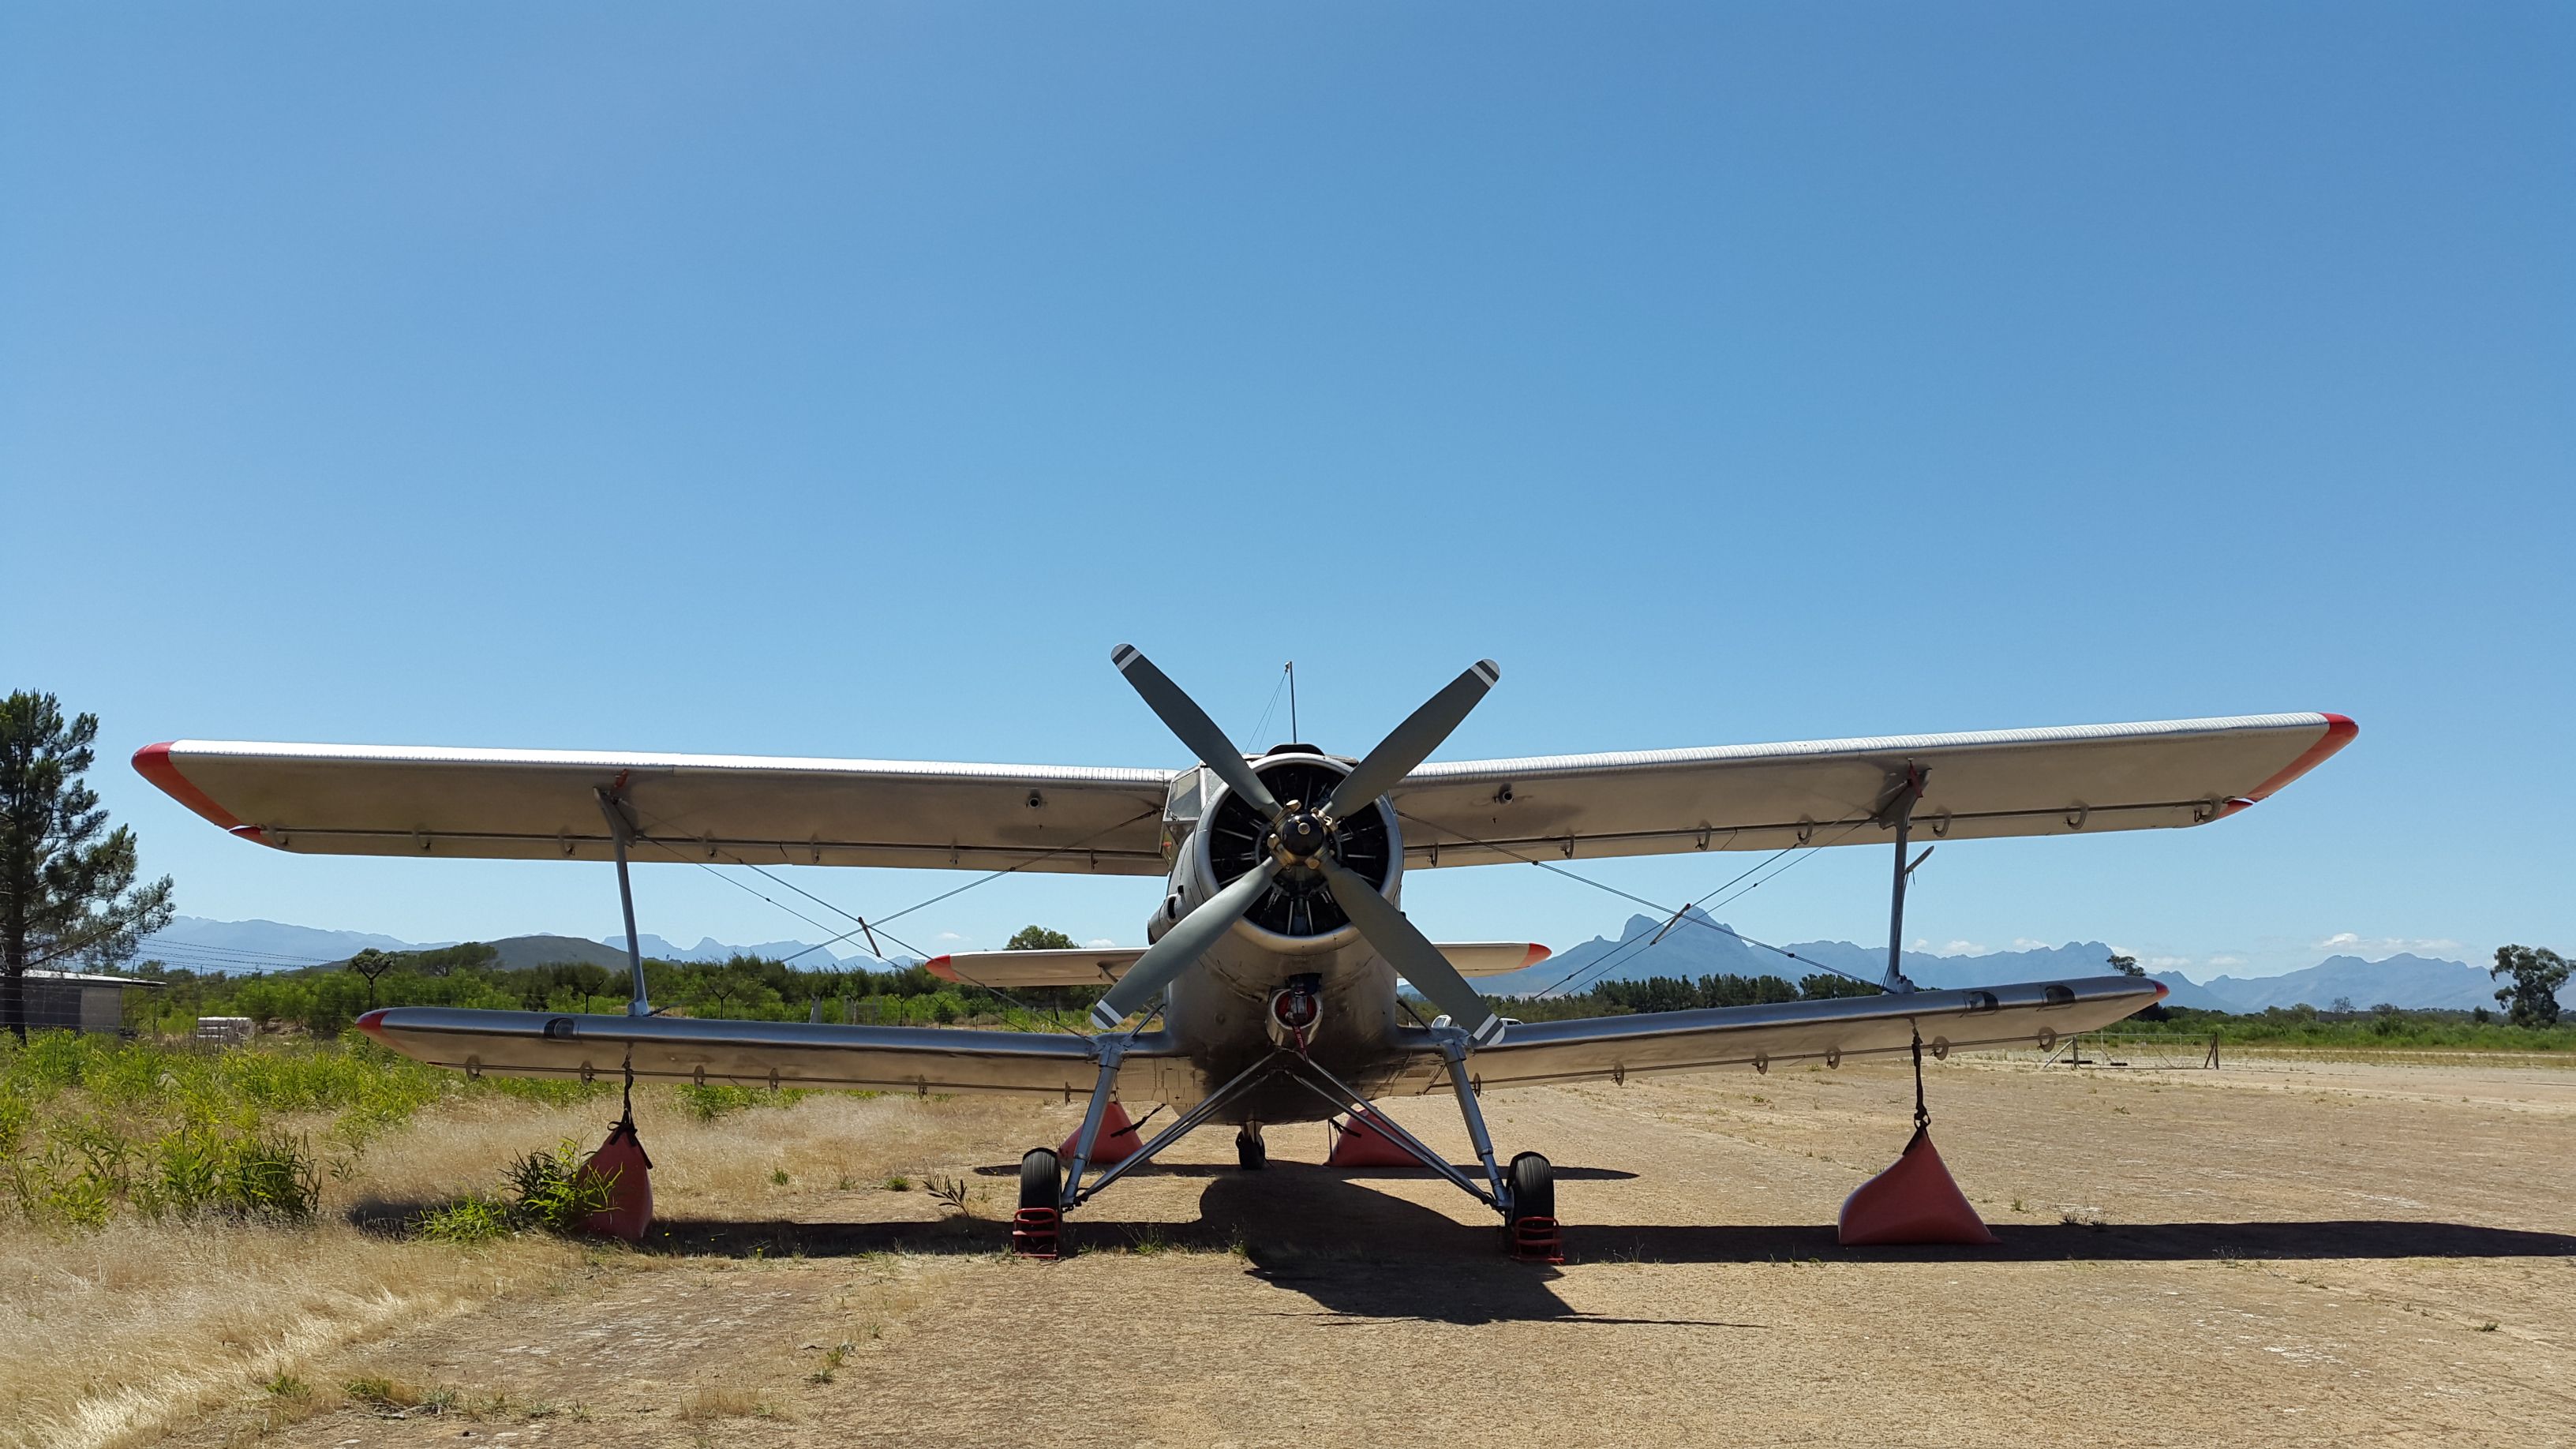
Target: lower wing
{"points": [[769, 1053], [1619, 1047]]}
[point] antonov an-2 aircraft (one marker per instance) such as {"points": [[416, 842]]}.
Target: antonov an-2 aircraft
{"points": [[1277, 945]]}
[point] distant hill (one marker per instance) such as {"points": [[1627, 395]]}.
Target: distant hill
{"points": [[1692, 948], [522, 951], [2410, 981], [200, 944], [805, 957], [1702, 946]]}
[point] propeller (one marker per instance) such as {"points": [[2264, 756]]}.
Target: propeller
{"points": [[1412, 741], [1411, 953], [1186, 942], [1300, 839], [1182, 716]]}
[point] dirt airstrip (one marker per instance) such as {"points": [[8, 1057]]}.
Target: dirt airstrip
{"points": [[2267, 1254]]}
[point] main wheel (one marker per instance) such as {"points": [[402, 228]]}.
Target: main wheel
{"points": [[1249, 1152], [1041, 1179], [1533, 1187]]}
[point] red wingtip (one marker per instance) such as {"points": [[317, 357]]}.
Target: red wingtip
{"points": [[373, 1023], [938, 966], [1537, 953], [153, 763], [2162, 991], [2340, 729]]}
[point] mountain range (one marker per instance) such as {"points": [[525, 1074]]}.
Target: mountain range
{"points": [[1695, 946], [200, 944], [1700, 946]]}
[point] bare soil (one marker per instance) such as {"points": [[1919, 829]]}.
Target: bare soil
{"points": [[2266, 1254]]}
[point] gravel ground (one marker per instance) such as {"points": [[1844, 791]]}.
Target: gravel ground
{"points": [[2272, 1253]]}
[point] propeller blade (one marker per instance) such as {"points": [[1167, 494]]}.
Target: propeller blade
{"points": [[1411, 953], [1182, 715], [1412, 741], [1185, 943]]}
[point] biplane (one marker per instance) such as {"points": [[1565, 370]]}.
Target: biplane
{"points": [[1270, 989]]}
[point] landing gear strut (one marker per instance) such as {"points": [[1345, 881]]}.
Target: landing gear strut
{"points": [[1525, 1196]]}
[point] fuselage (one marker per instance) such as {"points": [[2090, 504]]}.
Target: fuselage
{"points": [[1220, 1011]]}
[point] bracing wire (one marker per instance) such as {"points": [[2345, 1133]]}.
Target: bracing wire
{"points": [[1595, 968], [1267, 710], [878, 926]]}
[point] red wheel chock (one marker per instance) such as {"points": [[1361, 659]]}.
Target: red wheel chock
{"points": [[1914, 1202], [1117, 1142], [621, 1160], [1361, 1143], [1537, 1240], [1034, 1232]]}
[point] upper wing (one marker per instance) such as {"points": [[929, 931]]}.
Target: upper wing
{"points": [[543, 804], [1010, 970], [772, 1053], [1761, 797], [1618, 1047]]}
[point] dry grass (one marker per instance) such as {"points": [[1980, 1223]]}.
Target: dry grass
{"points": [[108, 1337], [726, 1403], [105, 1337]]}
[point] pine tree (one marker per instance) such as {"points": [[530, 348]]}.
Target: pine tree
{"points": [[67, 891]]}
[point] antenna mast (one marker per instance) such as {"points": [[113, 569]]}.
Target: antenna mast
{"points": [[1292, 701]]}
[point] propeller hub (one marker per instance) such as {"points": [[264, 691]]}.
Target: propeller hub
{"points": [[1301, 835]]}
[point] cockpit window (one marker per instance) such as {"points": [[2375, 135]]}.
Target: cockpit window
{"points": [[1186, 801]]}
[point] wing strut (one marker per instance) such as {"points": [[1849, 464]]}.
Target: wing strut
{"points": [[1899, 812], [620, 830]]}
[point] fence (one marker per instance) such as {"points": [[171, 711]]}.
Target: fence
{"points": [[2167, 1050], [2134, 1049]]}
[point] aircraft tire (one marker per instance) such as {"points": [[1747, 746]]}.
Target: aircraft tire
{"points": [[1533, 1187], [1250, 1153], [1041, 1179]]}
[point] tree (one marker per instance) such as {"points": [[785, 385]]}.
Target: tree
{"points": [[67, 891], [372, 964], [2127, 966], [1038, 938], [2537, 972]]}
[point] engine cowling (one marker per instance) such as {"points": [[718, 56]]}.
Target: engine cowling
{"points": [[1298, 914]]}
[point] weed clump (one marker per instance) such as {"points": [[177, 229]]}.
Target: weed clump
{"points": [[393, 1398], [550, 1192]]}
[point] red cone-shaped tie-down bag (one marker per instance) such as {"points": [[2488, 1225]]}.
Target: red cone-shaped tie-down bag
{"points": [[1912, 1203]]}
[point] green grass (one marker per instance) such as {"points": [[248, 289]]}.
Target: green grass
{"points": [[91, 1126], [709, 1103]]}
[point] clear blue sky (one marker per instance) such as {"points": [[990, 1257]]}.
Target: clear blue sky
{"points": [[847, 379]]}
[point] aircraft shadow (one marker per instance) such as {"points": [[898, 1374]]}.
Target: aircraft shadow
{"points": [[1353, 1252], [1227, 1169]]}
